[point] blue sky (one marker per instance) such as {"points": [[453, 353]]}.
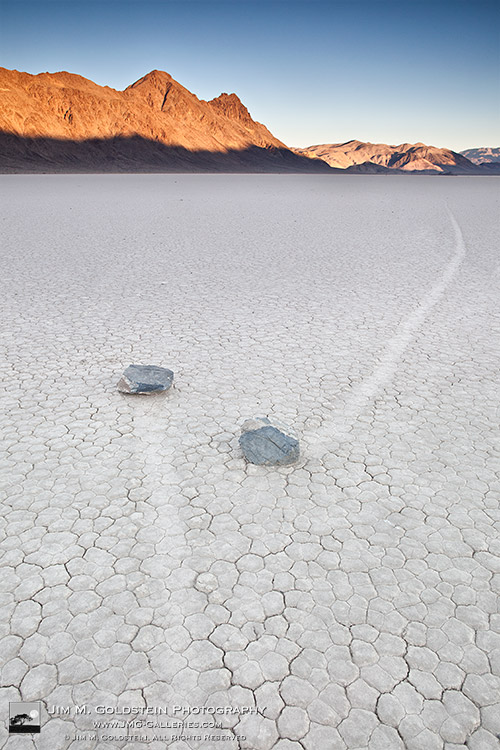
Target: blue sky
{"points": [[313, 72]]}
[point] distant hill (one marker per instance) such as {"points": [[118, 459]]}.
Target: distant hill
{"points": [[356, 156], [482, 155], [64, 122]]}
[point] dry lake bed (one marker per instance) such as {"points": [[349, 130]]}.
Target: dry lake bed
{"points": [[155, 578]]}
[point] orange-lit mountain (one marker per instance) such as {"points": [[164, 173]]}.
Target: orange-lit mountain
{"points": [[356, 156], [62, 121]]}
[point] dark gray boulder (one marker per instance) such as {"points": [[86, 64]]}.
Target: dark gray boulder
{"points": [[145, 379], [269, 443]]}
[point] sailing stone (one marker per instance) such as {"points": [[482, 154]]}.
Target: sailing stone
{"points": [[145, 379], [269, 443]]}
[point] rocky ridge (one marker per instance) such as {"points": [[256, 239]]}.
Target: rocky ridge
{"points": [[64, 121]]}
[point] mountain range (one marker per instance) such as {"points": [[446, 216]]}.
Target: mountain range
{"points": [[356, 156], [62, 122]]}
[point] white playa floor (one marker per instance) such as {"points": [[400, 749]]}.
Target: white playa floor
{"points": [[352, 599]]}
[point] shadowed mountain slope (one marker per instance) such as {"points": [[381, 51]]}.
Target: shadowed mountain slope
{"points": [[50, 114], [137, 154]]}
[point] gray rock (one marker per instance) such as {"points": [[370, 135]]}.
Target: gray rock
{"points": [[145, 379], [269, 443]]}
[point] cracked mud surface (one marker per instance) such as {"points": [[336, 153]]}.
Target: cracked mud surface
{"points": [[353, 597]]}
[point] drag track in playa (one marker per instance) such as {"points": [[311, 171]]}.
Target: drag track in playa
{"points": [[347, 602]]}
